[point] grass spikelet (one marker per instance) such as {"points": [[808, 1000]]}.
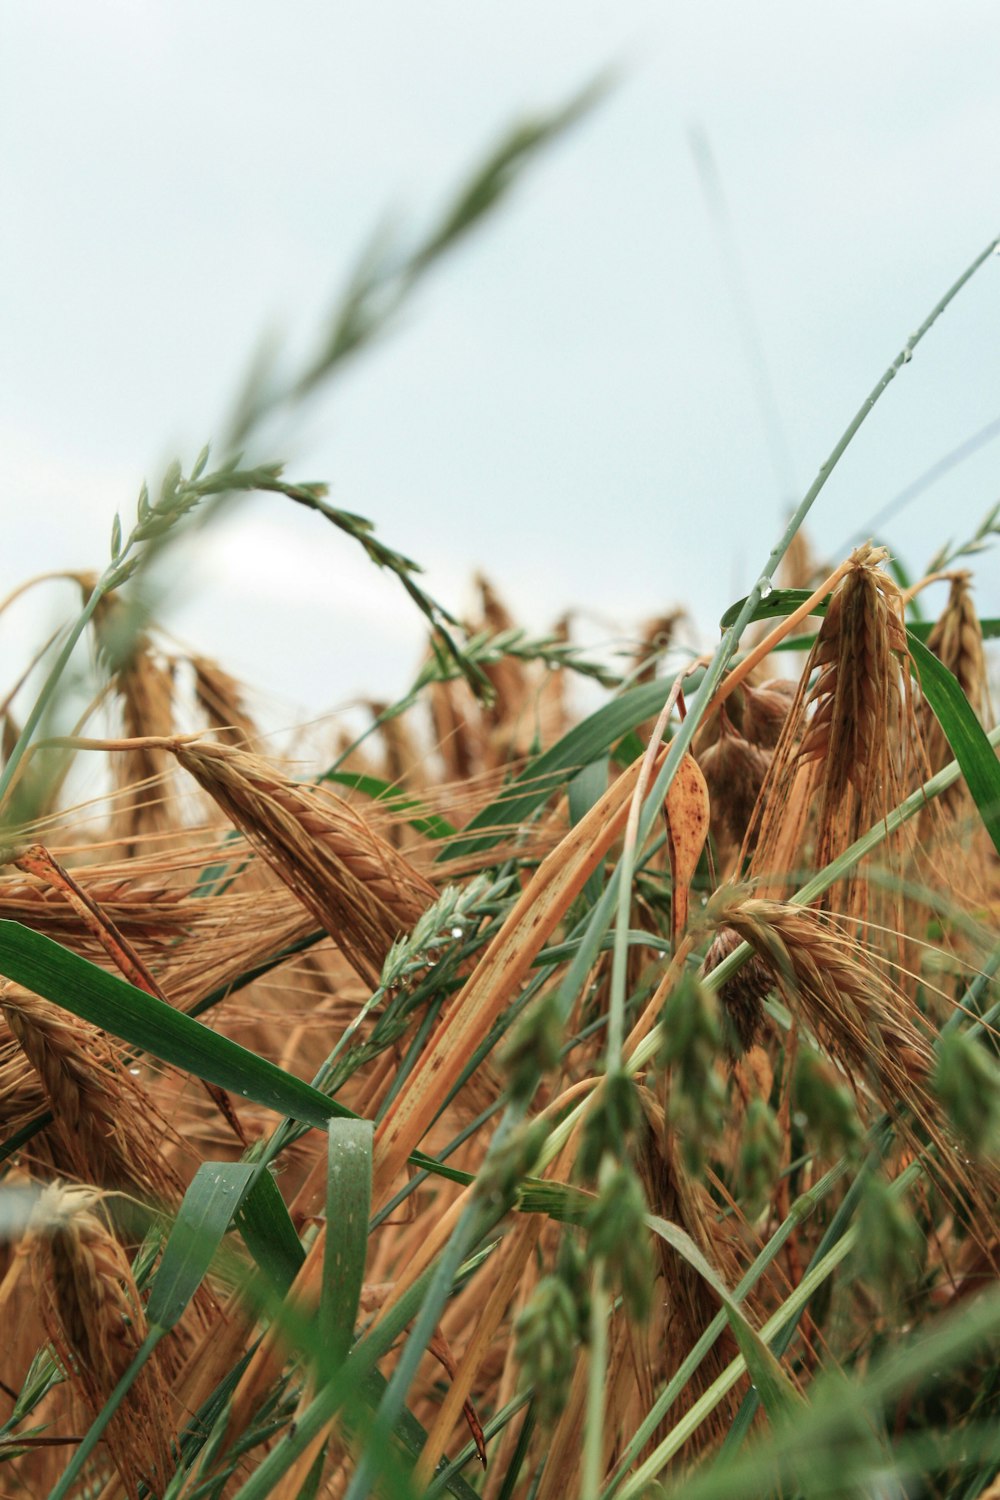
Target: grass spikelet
{"points": [[855, 728], [457, 731], [105, 1129], [357, 886], [96, 1320], [21, 1093], [404, 760], [765, 710], [743, 994]]}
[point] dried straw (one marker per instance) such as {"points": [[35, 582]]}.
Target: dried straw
{"points": [[220, 697], [143, 683]]}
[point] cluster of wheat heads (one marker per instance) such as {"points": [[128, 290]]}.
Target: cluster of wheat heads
{"points": [[483, 1195]]}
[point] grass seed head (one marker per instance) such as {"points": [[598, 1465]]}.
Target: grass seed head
{"points": [[105, 1130]]}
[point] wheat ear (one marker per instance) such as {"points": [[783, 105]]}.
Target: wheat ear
{"points": [[96, 1321]]}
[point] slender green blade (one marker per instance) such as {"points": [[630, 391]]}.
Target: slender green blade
{"points": [[41, 965], [584, 790], [964, 734], [348, 1206], [213, 1197], [269, 1234], [780, 1398], [783, 601]]}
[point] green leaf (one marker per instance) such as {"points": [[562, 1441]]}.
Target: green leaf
{"points": [[213, 1197], [106, 1001], [784, 601], [775, 606], [777, 1392], [586, 788], [269, 1234], [348, 1205], [964, 733]]}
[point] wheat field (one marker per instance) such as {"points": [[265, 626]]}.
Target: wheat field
{"points": [[511, 1100]]}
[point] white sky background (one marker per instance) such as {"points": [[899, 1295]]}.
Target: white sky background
{"points": [[568, 403]]}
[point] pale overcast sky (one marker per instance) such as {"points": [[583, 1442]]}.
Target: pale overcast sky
{"points": [[569, 403]]}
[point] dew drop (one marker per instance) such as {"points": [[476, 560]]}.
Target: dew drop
{"points": [[135, 1072], [457, 932], [907, 355], [244, 1092], [766, 588]]}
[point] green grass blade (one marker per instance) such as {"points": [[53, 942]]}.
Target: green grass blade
{"points": [[964, 734], [269, 1234], [783, 601], [213, 1197], [348, 1205], [586, 788], [115, 1006], [778, 1395]]}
